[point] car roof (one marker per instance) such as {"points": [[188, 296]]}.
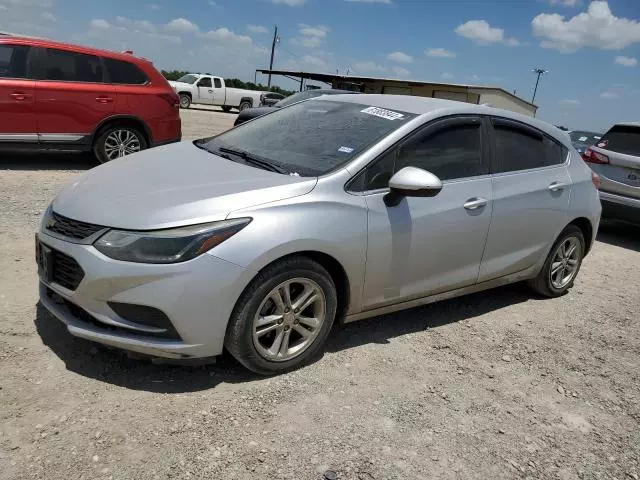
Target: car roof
{"points": [[45, 43], [428, 105], [627, 124]]}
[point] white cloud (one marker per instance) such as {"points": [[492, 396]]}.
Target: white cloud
{"points": [[224, 35], [291, 3], [480, 32], [447, 76], [311, 36], [49, 16], [144, 25], [154, 6], [182, 25], [439, 52], [569, 102], [314, 61], [257, 28], [100, 24], [609, 95], [387, 2], [400, 57], [400, 71], [597, 27], [626, 61], [565, 3], [368, 67], [212, 3]]}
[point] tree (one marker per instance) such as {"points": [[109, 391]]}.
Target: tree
{"points": [[173, 74]]}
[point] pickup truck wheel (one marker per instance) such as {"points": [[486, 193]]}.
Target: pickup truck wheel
{"points": [[185, 100], [244, 106], [226, 109]]}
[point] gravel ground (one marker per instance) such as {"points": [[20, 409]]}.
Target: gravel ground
{"points": [[494, 385]]}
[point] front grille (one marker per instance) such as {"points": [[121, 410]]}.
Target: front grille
{"points": [[71, 228], [66, 271]]}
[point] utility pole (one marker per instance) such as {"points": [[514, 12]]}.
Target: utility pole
{"points": [[273, 49], [539, 71]]}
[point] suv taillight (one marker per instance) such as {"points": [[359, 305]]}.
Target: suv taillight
{"points": [[172, 99], [592, 156], [595, 178]]}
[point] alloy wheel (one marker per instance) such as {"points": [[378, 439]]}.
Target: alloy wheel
{"points": [[121, 142], [565, 263], [289, 319]]}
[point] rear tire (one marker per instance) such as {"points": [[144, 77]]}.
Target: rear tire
{"points": [[185, 100], [302, 323], [562, 264], [117, 141], [244, 105]]}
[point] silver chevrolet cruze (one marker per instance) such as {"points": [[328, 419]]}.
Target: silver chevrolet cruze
{"points": [[333, 209]]}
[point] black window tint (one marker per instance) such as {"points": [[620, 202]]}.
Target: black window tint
{"points": [[72, 67], [453, 152], [622, 139], [124, 73], [204, 82], [555, 153], [518, 149], [217, 83], [378, 175], [13, 61]]}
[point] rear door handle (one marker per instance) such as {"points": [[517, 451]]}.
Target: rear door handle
{"points": [[19, 96], [475, 203], [555, 186], [104, 99]]}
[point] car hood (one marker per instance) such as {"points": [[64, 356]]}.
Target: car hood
{"points": [[171, 186], [179, 84]]}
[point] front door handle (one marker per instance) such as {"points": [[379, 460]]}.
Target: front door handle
{"points": [[210, 91], [19, 96], [102, 99], [475, 203], [556, 186]]}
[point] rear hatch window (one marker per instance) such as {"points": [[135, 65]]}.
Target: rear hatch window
{"points": [[622, 139]]}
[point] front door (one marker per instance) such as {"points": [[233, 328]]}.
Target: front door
{"points": [[72, 97], [17, 93], [531, 191], [424, 246], [205, 91]]}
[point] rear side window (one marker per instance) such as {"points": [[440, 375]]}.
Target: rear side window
{"points": [[520, 147], [124, 73], [622, 139], [63, 65], [13, 61], [217, 83]]}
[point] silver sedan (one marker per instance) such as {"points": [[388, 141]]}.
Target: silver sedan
{"points": [[334, 209]]}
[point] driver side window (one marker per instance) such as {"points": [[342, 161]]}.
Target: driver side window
{"points": [[450, 149], [205, 82]]}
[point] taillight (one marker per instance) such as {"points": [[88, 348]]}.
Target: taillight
{"points": [[595, 178], [172, 99], [592, 156]]}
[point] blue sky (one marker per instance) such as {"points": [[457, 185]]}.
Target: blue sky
{"points": [[591, 49]]}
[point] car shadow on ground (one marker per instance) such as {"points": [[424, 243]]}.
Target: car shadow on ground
{"points": [[47, 161], [620, 234], [116, 367]]}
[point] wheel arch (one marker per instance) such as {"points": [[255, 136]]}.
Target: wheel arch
{"points": [[585, 226], [184, 92], [130, 120], [246, 99]]}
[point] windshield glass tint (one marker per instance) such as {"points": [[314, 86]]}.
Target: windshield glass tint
{"points": [[297, 97], [622, 139], [187, 79], [313, 137], [586, 138]]}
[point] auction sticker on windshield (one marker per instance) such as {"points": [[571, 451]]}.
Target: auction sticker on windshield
{"points": [[383, 113]]}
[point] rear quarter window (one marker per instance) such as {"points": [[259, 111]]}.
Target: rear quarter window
{"points": [[124, 73], [622, 139], [13, 61]]}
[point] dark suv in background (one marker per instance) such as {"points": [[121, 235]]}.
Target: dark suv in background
{"points": [[57, 96]]}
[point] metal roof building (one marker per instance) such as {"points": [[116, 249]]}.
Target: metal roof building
{"points": [[494, 96]]}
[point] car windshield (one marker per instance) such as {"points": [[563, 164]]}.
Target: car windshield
{"points": [[188, 78], [298, 97], [622, 139], [579, 137], [311, 138]]}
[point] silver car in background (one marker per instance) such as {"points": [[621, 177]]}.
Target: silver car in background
{"points": [[334, 209], [616, 159]]}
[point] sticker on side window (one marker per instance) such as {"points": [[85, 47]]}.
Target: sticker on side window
{"points": [[383, 113]]}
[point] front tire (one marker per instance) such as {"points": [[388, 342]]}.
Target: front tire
{"points": [[283, 317], [244, 106], [118, 141], [185, 100], [562, 264]]}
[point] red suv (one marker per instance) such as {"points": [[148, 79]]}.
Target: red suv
{"points": [[56, 96]]}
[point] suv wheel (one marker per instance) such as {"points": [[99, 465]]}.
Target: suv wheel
{"points": [[283, 317], [118, 141], [185, 100], [562, 265]]}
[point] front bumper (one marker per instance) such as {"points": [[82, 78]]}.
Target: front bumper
{"points": [[618, 207], [197, 296]]}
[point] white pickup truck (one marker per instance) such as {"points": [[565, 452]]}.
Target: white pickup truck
{"points": [[211, 90]]}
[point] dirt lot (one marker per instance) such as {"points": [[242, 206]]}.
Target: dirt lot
{"points": [[495, 385]]}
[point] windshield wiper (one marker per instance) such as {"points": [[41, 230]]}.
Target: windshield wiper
{"points": [[252, 159]]}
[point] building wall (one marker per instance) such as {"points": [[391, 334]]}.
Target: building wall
{"points": [[499, 100]]}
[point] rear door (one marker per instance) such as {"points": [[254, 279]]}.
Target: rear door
{"points": [[219, 92], [619, 161], [17, 94], [72, 96], [531, 191]]}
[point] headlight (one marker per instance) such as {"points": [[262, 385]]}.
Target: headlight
{"points": [[167, 246]]}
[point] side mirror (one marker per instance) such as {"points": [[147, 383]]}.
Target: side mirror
{"points": [[411, 182]]}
